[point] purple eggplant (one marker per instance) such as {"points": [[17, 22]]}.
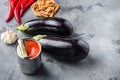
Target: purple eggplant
{"points": [[48, 26], [65, 48]]}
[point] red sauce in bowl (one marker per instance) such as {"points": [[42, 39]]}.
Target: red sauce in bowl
{"points": [[32, 47]]}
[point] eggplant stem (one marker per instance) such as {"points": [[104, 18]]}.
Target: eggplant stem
{"points": [[38, 37], [22, 28]]}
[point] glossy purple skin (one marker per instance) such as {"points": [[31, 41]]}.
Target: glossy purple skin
{"points": [[65, 48], [49, 26]]}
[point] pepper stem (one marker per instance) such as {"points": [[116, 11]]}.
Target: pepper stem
{"points": [[22, 28], [38, 37]]}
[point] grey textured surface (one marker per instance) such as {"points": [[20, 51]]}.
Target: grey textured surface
{"points": [[99, 23]]}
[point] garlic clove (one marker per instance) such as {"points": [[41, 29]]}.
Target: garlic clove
{"points": [[2, 36]]}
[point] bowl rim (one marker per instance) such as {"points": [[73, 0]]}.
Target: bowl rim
{"points": [[35, 42]]}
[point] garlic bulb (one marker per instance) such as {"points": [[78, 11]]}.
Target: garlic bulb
{"points": [[9, 37]]}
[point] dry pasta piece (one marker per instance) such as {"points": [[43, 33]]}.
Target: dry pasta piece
{"points": [[43, 12], [52, 13], [57, 7], [48, 9], [45, 8]]}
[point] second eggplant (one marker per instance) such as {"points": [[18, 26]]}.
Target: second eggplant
{"points": [[48, 26], [65, 48]]}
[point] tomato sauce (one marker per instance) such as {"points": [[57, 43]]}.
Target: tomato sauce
{"points": [[32, 48]]}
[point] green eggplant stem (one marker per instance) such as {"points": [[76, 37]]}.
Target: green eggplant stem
{"points": [[22, 28], [38, 37]]}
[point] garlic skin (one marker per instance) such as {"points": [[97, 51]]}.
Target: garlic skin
{"points": [[8, 37]]}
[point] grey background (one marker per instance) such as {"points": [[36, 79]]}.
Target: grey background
{"points": [[99, 23]]}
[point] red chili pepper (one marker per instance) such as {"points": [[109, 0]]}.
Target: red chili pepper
{"points": [[12, 4], [25, 7], [16, 12], [23, 3], [10, 13]]}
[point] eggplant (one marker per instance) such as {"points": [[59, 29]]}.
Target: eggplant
{"points": [[47, 26], [65, 48]]}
